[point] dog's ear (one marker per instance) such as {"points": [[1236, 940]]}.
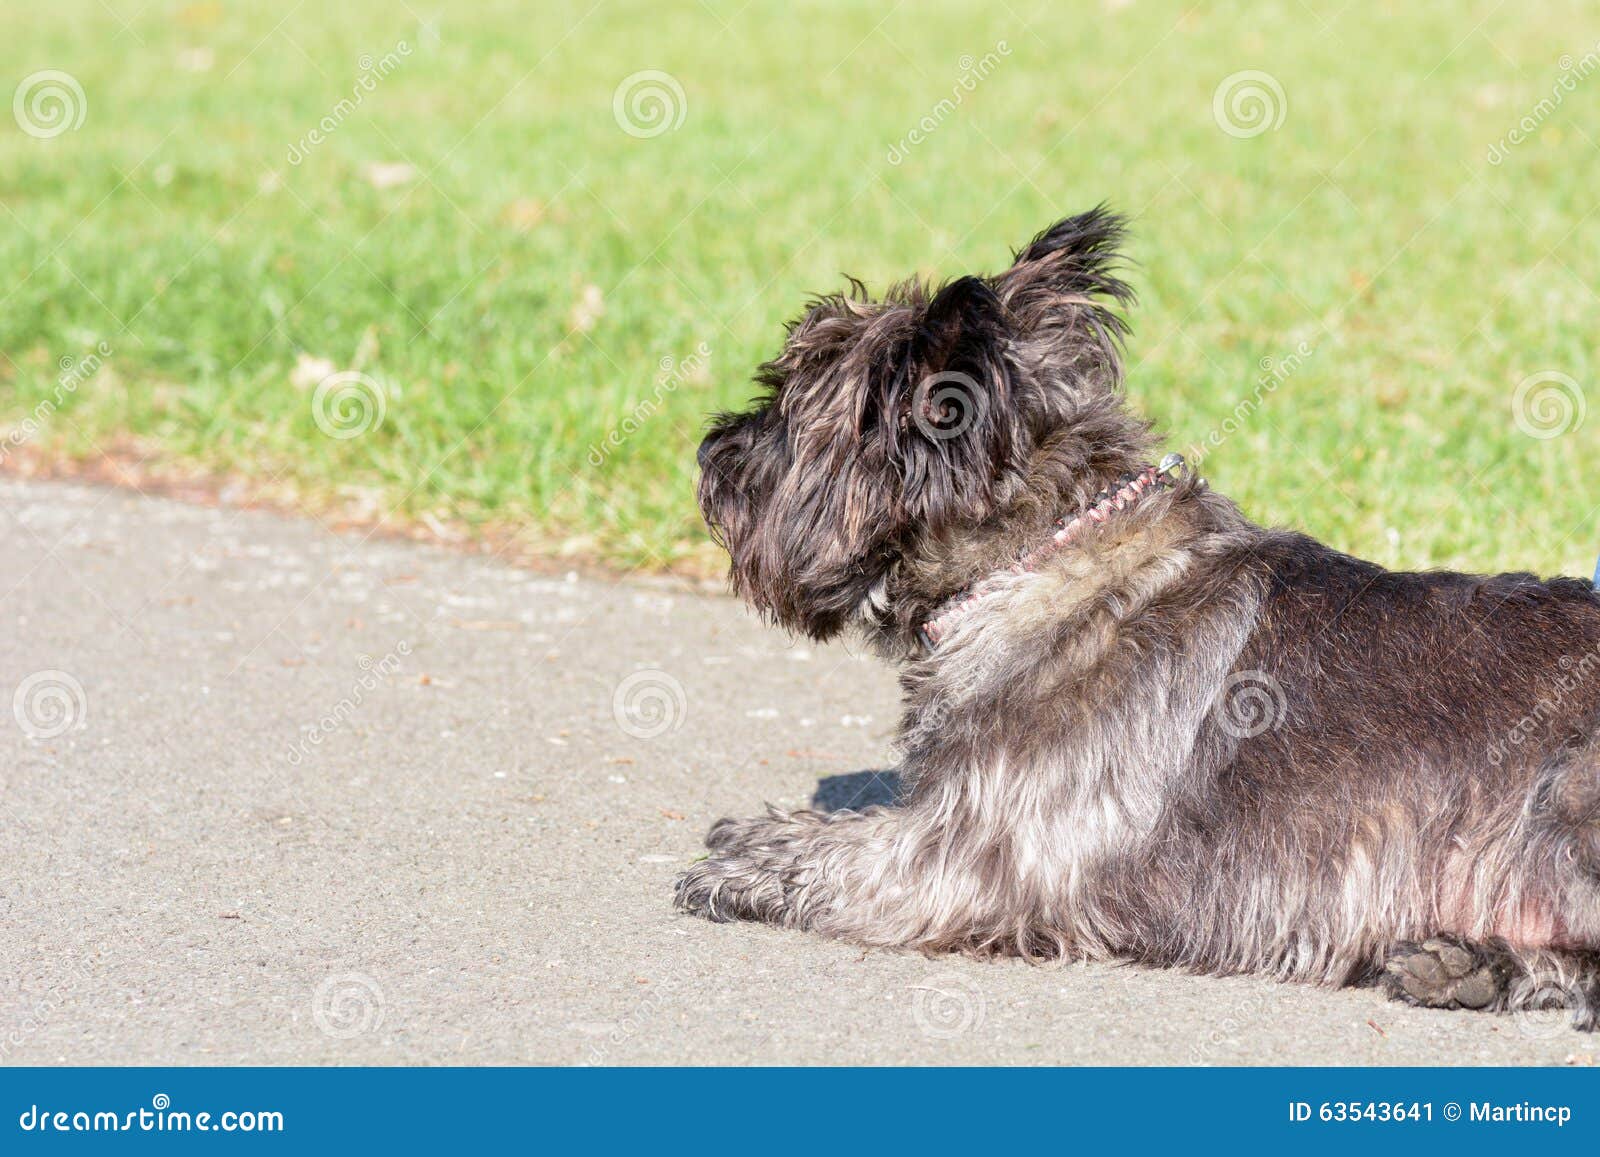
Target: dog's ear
{"points": [[1074, 261], [957, 431], [1064, 296]]}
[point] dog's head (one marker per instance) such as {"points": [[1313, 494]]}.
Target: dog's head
{"points": [[888, 427]]}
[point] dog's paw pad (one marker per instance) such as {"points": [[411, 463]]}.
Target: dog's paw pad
{"points": [[1442, 973]]}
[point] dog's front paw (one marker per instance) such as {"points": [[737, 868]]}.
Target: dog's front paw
{"points": [[710, 889], [755, 871], [1445, 972], [738, 887]]}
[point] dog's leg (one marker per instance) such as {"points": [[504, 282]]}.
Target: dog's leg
{"points": [[1492, 976], [883, 876], [784, 868]]}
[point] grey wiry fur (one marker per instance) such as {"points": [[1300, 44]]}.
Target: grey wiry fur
{"points": [[1185, 740]]}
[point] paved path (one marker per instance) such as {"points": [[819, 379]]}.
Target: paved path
{"points": [[270, 794]]}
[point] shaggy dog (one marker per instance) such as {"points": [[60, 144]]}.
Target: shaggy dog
{"points": [[1137, 725]]}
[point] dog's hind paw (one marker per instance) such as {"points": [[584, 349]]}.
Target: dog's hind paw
{"points": [[1447, 972]]}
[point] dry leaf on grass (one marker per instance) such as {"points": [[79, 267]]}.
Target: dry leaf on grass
{"points": [[588, 310], [309, 370], [523, 214], [388, 174]]}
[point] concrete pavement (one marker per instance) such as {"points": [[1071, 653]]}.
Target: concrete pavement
{"points": [[270, 794]]}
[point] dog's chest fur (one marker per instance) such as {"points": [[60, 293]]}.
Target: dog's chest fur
{"points": [[1030, 729]]}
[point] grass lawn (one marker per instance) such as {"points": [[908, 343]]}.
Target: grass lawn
{"points": [[478, 238]]}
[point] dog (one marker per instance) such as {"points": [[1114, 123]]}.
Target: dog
{"points": [[1138, 726]]}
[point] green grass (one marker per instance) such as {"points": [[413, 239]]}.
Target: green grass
{"points": [[1369, 225]]}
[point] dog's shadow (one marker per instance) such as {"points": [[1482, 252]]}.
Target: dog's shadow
{"points": [[856, 790]]}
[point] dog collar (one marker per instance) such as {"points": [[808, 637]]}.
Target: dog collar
{"points": [[1130, 489]]}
